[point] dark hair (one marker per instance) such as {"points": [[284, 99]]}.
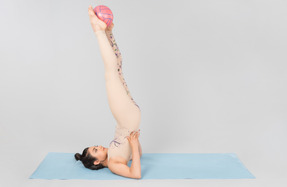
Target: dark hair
{"points": [[88, 160]]}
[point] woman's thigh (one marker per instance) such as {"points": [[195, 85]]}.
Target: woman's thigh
{"points": [[122, 107]]}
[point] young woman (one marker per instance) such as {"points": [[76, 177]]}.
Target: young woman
{"points": [[125, 146]]}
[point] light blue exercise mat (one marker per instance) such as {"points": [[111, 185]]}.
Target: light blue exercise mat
{"points": [[153, 166]]}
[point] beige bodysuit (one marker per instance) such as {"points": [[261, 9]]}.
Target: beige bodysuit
{"points": [[119, 146], [118, 54]]}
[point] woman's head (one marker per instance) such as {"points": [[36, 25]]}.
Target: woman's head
{"points": [[94, 157]]}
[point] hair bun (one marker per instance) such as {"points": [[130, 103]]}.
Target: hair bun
{"points": [[78, 156]]}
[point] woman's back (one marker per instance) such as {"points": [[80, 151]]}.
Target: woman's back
{"points": [[119, 148]]}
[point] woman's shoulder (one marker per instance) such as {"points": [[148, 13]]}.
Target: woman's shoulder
{"points": [[116, 160]]}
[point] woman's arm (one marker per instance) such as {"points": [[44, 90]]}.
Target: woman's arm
{"points": [[132, 172], [136, 163], [140, 149], [122, 170]]}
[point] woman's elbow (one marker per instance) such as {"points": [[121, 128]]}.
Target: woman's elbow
{"points": [[138, 177]]}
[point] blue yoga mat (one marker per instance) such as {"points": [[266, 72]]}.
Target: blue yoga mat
{"points": [[153, 166]]}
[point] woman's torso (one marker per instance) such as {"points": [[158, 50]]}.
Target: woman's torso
{"points": [[119, 148]]}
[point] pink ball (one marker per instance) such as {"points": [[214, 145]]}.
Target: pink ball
{"points": [[104, 13]]}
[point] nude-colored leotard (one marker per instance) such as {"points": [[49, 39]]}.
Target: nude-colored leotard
{"points": [[119, 146], [119, 62]]}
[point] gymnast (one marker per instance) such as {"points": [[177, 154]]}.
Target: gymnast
{"points": [[125, 146]]}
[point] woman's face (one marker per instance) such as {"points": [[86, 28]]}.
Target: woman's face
{"points": [[99, 152]]}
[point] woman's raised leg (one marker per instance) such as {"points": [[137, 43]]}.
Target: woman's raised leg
{"points": [[119, 62], [122, 107]]}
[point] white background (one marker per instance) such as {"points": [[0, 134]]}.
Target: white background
{"points": [[209, 77]]}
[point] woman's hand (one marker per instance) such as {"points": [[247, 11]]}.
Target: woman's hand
{"points": [[110, 27], [133, 139], [96, 23]]}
